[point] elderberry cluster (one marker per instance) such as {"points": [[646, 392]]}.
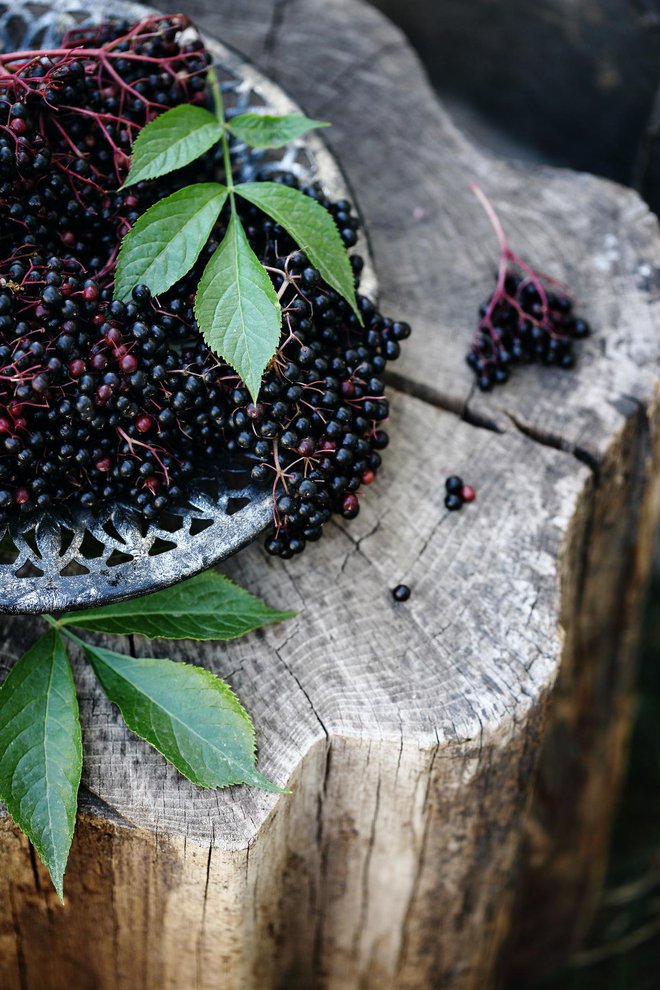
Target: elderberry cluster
{"points": [[103, 401], [67, 123], [521, 323]]}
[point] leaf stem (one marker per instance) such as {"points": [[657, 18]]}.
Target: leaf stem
{"points": [[50, 620], [220, 114]]}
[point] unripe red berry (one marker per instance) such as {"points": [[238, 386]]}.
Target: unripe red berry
{"points": [[350, 506], [77, 368], [144, 423], [128, 363]]}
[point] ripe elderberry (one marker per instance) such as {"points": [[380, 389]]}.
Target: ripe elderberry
{"points": [[528, 318]]}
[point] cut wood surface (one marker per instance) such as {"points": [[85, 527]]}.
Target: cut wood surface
{"points": [[453, 760]]}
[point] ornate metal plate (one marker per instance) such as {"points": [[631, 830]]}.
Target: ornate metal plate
{"points": [[77, 559]]}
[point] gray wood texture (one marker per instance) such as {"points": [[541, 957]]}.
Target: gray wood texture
{"points": [[575, 80], [453, 761]]}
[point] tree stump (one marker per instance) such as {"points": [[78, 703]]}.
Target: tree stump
{"points": [[576, 80], [453, 761]]}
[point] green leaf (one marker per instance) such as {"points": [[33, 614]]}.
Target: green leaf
{"points": [[186, 713], [237, 308], [174, 139], [311, 227], [166, 241], [208, 606], [266, 131], [41, 751]]}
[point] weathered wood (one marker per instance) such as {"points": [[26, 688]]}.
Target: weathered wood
{"points": [[408, 734], [576, 80]]}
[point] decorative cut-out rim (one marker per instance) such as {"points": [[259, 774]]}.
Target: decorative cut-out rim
{"points": [[71, 559]]}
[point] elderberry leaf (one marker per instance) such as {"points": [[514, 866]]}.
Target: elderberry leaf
{"points": [[207, 607], [237, 308], [187, 713], [174, 139], [166, 241], [267, 131], [41, 751], [311, 227]]}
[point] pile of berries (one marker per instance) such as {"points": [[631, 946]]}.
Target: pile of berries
{"points": [[522, 322], [68, 118], [103, 401]]}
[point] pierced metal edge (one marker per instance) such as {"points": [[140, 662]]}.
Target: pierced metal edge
{"points": [[227, 533]]}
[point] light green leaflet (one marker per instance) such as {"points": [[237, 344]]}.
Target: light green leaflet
{"points": [[41, 751], [174, 139], [311, 227], [167, 240], [186, 713], [237, 308], [207, 607], [267, 131]]}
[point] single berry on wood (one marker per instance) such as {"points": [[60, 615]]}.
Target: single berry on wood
{"points": [[453, 484], [401, 593]]}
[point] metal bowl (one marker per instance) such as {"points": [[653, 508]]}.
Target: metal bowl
{"points": [[73, 558]]}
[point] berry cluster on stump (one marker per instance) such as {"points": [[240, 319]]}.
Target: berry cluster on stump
{"points": [[528, 318], [521, 323], [103, 401]]}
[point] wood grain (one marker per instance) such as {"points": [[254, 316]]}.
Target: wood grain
{"points": [[418, 832]]}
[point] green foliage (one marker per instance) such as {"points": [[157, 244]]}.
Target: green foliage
{"points": [[207, 607], [174, 139], [236, 305], [41, 751], [267, 131], [186, 713], [237, 308], [311, 226], [167, 240]]}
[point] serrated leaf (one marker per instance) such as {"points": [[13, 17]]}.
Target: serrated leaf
{"points": [[190, 716], [174, 139], [166, 241], [207, 607], [41, 751], [237, 308], [267, 131], [311, 227]]}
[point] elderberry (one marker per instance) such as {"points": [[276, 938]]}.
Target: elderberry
{"points": [[401, 593]]}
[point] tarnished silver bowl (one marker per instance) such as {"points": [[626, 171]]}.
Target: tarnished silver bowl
{"points": [[55, 561]]}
